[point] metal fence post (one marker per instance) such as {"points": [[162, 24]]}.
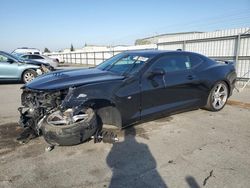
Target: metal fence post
{"points": [[87, 58], [236, 51], [184, 45]]}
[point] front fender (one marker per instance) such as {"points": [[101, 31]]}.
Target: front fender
{"points": [[24, 67], [78, 97], [94, 97], [81, 94]]}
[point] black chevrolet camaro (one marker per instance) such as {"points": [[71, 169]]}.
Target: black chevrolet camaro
{"points": [[68, 106]]}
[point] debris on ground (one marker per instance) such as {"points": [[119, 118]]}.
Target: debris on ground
{"points": [[49, 148], [171, 162], [105, 136]]}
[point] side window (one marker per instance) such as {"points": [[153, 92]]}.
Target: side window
{"points": [[25, 57], [36, 57], [171, 63], [3, 58], [194, 60]]}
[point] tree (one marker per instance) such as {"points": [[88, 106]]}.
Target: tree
{"points": [[72, 48], [46, 50], [142, 42]]}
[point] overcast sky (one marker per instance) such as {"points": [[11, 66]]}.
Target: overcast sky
{"points": [[56, 24]]}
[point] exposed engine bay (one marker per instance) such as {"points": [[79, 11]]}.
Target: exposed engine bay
{"points": [[36, 104]]}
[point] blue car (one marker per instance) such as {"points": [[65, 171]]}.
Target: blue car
{"points": [[14, 69]]}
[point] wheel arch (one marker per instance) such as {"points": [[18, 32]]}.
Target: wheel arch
{"points": [[21, 77], [106, 111], [228, 86]]}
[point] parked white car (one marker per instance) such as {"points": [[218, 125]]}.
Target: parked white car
{"points": [[40, 58], [54, 56], [26, 50]]}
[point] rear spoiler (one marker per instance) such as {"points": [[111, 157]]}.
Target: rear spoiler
{"points": [[225, 61]]}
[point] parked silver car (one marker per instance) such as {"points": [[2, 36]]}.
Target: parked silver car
{"points": [[12, 68], [40, 58]]}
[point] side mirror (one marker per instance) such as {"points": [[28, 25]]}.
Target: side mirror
{"points": [[10, 61], [156, 72]]}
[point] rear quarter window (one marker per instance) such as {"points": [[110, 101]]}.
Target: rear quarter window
{"points": [[172, 63], [194, 60]]}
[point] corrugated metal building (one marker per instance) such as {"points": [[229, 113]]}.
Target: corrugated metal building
{"points": [[231, 44], [155, 39]]}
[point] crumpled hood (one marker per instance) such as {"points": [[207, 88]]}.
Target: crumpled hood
{"points": [[69, 78]]}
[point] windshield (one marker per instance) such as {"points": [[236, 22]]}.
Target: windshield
{"points": [[18, 56], [123, 64], [10, 56]]}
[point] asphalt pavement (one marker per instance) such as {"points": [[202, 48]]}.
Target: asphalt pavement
{"points": [[191, 149]]}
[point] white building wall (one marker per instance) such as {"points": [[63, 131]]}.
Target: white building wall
{"points": [[218, 44], [196, 36]]}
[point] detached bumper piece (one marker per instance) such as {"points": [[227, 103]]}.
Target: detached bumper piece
{"points": [[105, 136], [27, 122]]}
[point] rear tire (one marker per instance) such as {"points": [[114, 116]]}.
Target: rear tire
{"points": [[29, 75], [72, 134], [218, 96]]}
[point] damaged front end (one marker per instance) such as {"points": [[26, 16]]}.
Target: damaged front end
{"points": [[60, 116], [36, 104]]}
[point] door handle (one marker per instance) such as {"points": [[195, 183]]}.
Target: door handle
{"points": [[190, 77]]}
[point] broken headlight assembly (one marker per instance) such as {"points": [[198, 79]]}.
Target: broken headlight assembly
{"points": [[35, 104]]}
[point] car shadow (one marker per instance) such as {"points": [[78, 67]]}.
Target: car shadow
{"points": [[192, 183], [132, 164], [10, 82]]}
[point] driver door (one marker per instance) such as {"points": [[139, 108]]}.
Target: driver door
{"points": [[175, 88], [8, 68]]}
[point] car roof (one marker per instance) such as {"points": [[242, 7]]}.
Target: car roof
{"points": [[146, 52], [3, 52], [152, 53], [8, 54], [30, 54]]}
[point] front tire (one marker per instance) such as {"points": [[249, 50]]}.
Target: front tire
{"points": [[218, 96], [56, 132], [29, 75]]}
